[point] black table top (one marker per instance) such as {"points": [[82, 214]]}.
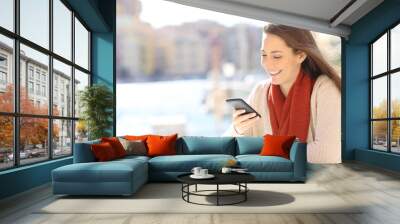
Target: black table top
{"points": [[220, 178]]}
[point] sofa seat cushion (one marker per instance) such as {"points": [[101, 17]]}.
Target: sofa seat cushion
{"points": [[257, 163], [185, 163], [111, 171], [133, 158]]}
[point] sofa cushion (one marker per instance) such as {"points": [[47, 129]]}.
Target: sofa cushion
{"points": [[103, 152], [159, 145], [185, 163], [116, 145], [131, 158], [277, 145], [257, 163], [249, 145], [135, 147], [195, 145], [111, 171]]}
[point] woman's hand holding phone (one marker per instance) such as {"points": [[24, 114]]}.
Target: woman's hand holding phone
{"points": [[243, 121]]}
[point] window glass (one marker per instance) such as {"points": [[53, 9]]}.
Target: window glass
{"points": [[6, 74], [81, 82], [7, 14], [62, 89], [379, 135], [81, 131], [62, 138], [30, 58], [34, 21], [81, 45], [395, 136], [395, 94], [6, 142], [62, 29], [395, 47], [379, 97], [33, 140], [379, 55]]}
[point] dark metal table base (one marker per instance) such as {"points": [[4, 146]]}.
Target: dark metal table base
{"points": [[242, 190]]}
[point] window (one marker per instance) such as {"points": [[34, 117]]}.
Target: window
{"points": [[385, 94], [37, 74], [6, 73], [44, 91], [81, 81], [34, 21], [81, 45], [3, 61], [30, 72], [62, 137], [37, 89], [61, 74], [45, 131], [30, 87], [62, 31], [7, 14], [6, 142], [3, 78]]}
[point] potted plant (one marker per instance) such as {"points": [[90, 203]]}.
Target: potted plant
{"points": [[96, 102]]}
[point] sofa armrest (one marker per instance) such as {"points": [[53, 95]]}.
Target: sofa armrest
{"points": [[83, 152], [298, 155]]}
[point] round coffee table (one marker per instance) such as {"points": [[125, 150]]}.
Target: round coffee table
{"points": [[238, 179]]}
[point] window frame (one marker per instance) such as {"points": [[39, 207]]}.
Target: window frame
{"points": [[388, 74], [16, 115]]}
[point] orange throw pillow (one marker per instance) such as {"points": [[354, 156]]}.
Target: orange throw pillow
{"points": [[161, 145], [277, 145], [116, 145], [103, 152], [136, 137]]}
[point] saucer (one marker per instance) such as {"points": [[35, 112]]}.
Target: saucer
{"points": [[208, 176]]}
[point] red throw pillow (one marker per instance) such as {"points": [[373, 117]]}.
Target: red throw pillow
{"points": [[116, 145], [103, 151], [277, 145], [161, 145]]}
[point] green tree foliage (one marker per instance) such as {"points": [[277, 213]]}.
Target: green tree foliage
{"points": [[97, 110]]}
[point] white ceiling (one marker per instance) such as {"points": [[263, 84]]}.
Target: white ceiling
{"points": [[316, 15]]}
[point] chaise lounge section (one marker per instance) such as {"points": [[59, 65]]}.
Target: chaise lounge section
{"points": [[125, 176]]}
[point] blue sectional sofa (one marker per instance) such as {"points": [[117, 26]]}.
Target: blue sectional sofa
{"points": [[125, 176]]}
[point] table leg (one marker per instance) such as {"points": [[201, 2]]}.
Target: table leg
{"points": [[245, 193], [196, 188], [217, 194]]}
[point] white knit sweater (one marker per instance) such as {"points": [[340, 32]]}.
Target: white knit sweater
{"points": [[324, 133]]}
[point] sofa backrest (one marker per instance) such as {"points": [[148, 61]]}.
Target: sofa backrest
{"points": [[253, 145], [249, 145], [192, 145], [83, 152]]}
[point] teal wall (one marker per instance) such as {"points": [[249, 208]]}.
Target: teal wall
{"points": [[24, 178], [355, 60], [100, 17]]}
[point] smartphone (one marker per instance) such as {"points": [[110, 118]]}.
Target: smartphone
{"points": [[240, 104]]}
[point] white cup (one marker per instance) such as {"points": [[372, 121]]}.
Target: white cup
{"points": [[226, 170], [196, 171], [203, 172]]}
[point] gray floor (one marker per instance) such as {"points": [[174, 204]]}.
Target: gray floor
{"points": [[378, 188]]}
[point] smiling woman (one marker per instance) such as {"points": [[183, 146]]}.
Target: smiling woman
{"points": [[302, 97]]}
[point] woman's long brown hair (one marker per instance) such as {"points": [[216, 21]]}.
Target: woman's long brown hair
{"points": [[302, 40]]}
